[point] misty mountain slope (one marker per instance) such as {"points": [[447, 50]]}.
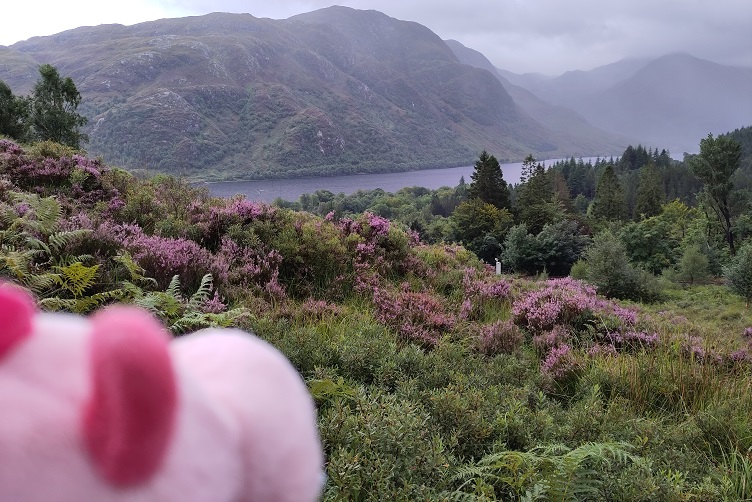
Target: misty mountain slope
{"points": [[338, 90], [571, 88], [670, 102], [674, 101], [566, 123]]}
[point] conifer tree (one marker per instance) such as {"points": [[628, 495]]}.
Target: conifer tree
{"points": [[649, 192], [535, 201], [609, 203], [14, 111], [488, 182]]}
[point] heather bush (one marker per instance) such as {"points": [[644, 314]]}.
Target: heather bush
{"points": [[501, 337], [416, 317]]}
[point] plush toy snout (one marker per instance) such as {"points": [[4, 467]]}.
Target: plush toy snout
{"points": [[109, 408]]}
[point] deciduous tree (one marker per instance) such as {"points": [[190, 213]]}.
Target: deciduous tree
{"points": [[54, 102], [714, 165]]}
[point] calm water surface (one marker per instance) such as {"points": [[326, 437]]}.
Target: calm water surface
{"points": [[292, 189]]}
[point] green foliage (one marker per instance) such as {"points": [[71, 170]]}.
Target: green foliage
{"points": [[554, 249], [717, 161], [480, 227], [650, 244], [380, 448], [14, 111], [608, 268], [693, 266], [738, 273], [535, 202], [649, 192], [488, 182], [662, 414], [184, 315], [609, 203], [553, 472], [53, 114]]}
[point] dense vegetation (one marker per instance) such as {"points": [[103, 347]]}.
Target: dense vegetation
{"points": [[435, 379]]}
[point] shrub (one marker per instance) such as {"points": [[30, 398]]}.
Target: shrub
{"points": [[738, 273], [609, 269], [501, 337]]}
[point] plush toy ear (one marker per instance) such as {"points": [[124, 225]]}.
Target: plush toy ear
{"points": [[16, 311], [130, 416]]}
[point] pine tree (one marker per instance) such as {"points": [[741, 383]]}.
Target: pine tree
{"points": [[535, 201], [609, 203], [488, 182], [650, 194]]}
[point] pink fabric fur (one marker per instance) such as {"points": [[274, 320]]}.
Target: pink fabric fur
{"points": [[109, 409]]}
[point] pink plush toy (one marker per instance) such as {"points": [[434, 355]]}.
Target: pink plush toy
{"points": [[108, 408]]}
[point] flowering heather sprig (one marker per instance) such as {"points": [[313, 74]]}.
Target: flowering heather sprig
{"points": [[693, 347], [501, 337], [248, 267], [163, 257], [559, 363], [320, 309], [90, 166], [215, 305], [466, 310], [379, 226], [632, 340], [417, 317], [555, 337], [747, 333], [741, 356], [413, 237], [484, 286], [564, 301], [600, 349], [10, 147], [115, 203]]}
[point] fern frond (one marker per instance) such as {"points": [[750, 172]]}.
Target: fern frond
{"points": [[55, 304], [202, 294], [135, 271], [91, 302], [59, 240], [77, 278], [173, 289], [47, 211]]}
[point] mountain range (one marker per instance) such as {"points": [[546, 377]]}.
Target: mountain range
{"points": [[669, 102], [334, 91]]}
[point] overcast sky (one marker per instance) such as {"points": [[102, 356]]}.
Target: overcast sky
{"points": [[546, 36]]}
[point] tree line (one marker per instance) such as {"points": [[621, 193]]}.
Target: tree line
{"points": [[661, 218]]}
